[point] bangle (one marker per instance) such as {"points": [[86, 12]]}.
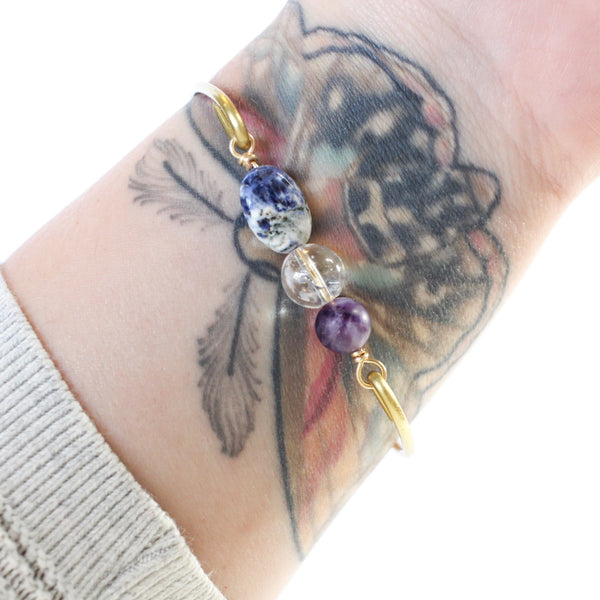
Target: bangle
{"points": [[312, 275]]}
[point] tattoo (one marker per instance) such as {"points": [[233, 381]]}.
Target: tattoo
{"points": [[229, 380], [373, 142], [167, 175]]}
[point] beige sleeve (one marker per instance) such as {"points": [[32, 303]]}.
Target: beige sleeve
{"points": [[74, 523]]}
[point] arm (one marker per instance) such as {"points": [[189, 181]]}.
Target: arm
{"points": [[140, 314]]}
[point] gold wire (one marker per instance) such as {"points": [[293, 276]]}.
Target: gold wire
{"points": [[247, 159], [362, 358], [315, 274]]}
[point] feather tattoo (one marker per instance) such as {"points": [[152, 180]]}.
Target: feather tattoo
{"points": [[229, 381], [168, 177]]}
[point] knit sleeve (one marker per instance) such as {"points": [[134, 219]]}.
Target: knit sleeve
{"points": [[74, 523]]}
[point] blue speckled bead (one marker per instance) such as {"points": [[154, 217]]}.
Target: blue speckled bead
{"points": [[275, 209]]}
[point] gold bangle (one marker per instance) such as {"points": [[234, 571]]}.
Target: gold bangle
{"points": [[374, 379], [388, 401], [228, 115]]}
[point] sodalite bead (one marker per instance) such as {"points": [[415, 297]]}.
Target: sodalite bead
{"points": [[275, 209], [312, 275], [343, 325]]}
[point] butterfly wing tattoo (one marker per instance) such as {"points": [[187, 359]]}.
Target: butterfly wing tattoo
{"points": [[373, 142]]}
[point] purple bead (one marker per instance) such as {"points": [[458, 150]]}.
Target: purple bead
{"points": [[343, 325]]}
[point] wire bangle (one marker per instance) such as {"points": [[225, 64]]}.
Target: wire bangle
{"points": [[228, 115], [374, 379]]}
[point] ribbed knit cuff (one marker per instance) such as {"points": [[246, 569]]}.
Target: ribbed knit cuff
{"points": [[74, 523]]}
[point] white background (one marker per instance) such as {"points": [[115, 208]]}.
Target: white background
{"points": [[501, 499]]}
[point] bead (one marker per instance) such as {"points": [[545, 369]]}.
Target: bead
{"points": [[312, 275], [343, 325], [275, 209]]}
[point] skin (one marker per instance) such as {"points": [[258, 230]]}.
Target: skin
{"points": [[252, 446]]}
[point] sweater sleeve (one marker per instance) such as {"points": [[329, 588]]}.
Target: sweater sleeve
{"points": [[74, 523]]}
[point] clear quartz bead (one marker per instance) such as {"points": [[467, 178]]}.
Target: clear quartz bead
{"points": [[312, 275]]}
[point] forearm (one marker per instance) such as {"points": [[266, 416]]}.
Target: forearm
{"points": [[140, 280]]}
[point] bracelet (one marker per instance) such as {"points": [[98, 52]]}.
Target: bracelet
{"points": [[312, 275]]}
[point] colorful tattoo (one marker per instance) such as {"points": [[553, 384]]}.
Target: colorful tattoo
{"points": [[373, 143]]}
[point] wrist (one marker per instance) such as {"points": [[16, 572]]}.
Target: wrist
{"points": [[170, 269]]}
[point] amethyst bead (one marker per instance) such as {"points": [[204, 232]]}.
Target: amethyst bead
{"points": [[343, 325]]}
